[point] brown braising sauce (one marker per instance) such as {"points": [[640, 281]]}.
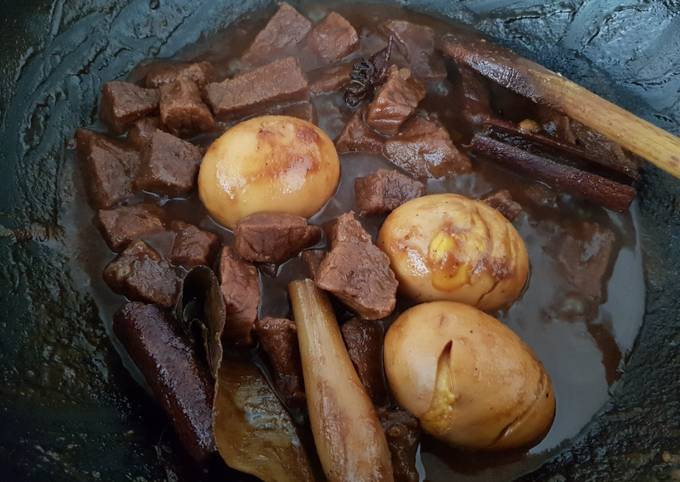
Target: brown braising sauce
{"points": [[581, 337]]}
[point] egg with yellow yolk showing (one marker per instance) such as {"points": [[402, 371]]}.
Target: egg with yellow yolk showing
{"points": [[268, 164], [469, 379], [450, 247]]}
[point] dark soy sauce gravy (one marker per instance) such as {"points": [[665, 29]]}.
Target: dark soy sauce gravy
{"points": [[581, 343]]}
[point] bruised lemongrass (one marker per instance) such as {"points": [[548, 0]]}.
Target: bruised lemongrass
{"points": [[598, 189], [349, 438], [546, 87]]}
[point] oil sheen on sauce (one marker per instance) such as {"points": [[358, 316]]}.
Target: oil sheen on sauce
{"points": [[581, 339]]}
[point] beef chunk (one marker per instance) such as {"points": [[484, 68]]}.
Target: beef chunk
{"points": [[476, 100], [162, 73], [346, 228], [240, 287], [285, 30], [141, 131], [273, 237], [424, 149], [182, 109], [360, 276], [395, 101], [109, 168], [173, 371], [120, 226], [357, 272], [301, 110], [385, 191], [192, 246], [333, 38], [503, 202], [169, 165], [141, 274], [364, 340], [312, 259], [122, 103], [279, 81], [417, 44], [278, 339], [403, 435], [586, 258], [330, 79], [359, 137]]}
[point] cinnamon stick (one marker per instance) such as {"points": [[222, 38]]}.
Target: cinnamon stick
{"points": [[509, 133], [563, 178]]}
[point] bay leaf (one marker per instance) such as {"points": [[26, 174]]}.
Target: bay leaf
{"points": [[253, 431]]}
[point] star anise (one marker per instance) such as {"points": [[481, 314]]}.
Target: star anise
{"points": [[367, 74]]}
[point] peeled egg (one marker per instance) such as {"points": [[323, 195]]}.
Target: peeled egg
{"points": [[449, 247], [468, 378], [268, 164]]}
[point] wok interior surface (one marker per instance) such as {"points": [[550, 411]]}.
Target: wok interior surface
{"points": [[72, 409]]}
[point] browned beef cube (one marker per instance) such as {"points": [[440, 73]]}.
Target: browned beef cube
{"points": [[141, 132], [279, 81], [360, 276], [475, 96], [333, 38], [395, 101], [357, 272], [122, 103], [301, 110], [285, 30], [169, 165], [586, 258], [364, 340], [312, 259], [385, 191], [424, 149], [417, 44], [109, 168], [278, 339], [359, 137], [346, 228], [273, 237], [240, 287], [173, 371], [165, 72], [183, 111], [403, 435], [141, 274], [122, 225], [329, 79], [192, 246], [503, 202]]}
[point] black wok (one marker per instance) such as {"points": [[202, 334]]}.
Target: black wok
{"points": [[68, 408]]}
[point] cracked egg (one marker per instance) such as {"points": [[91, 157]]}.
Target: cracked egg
{"points": [[469, 379], [449, 247]]}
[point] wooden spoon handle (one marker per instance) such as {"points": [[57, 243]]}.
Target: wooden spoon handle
{"points": [[544, 86]]}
